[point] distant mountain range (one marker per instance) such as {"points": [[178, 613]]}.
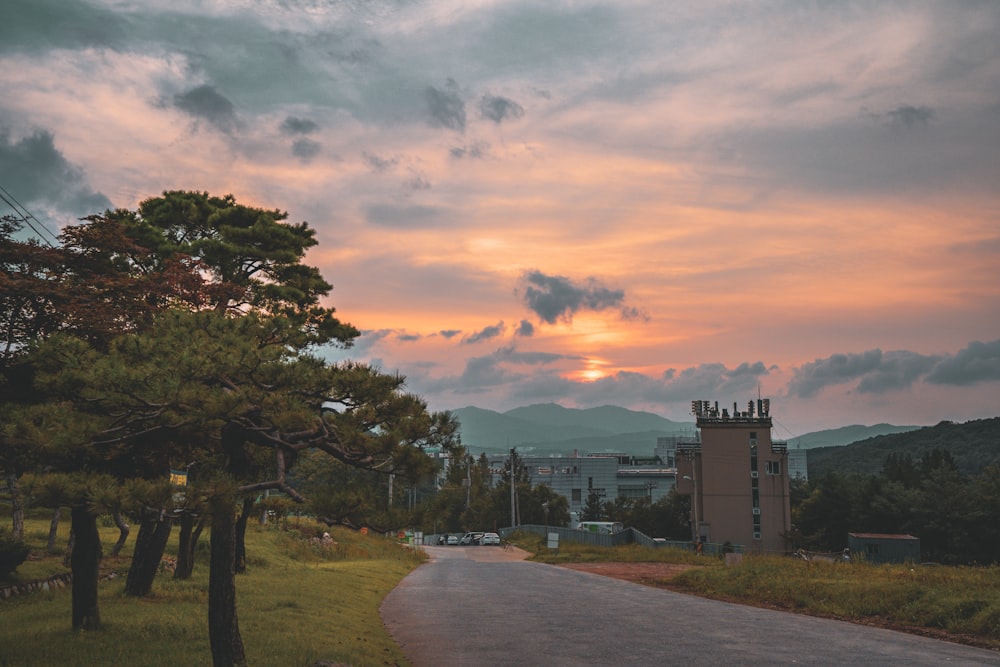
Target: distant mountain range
{"points": [[550, 429], [974, 446]]}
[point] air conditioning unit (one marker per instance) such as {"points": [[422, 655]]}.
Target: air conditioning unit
{"points": [[756, 536], [753, 474], [756, 511]]}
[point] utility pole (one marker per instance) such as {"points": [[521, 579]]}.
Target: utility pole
{"points": [[468, 483], [513, 519]]}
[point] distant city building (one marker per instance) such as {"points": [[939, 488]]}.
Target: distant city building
{"points": [[798, 464], [609, 475], [737, 477]]}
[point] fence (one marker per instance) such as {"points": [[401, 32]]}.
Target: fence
{"points": [[627, 536]]}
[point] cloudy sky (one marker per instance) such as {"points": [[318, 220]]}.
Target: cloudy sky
{"points": [[635, 202]]}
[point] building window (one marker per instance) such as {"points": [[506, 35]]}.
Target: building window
{"points": [[753, 437], [772, 467], [577, 496], [753, 458]]}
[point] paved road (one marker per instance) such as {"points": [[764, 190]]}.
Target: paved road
{"points": [[486, 606]]}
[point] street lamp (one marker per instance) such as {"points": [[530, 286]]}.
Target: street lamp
{"points": [[694, 505]]}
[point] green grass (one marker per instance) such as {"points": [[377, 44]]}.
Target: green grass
{"points": [[959, 603], [297, 604]]}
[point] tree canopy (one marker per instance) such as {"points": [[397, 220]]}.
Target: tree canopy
{"points": [[179, 335]]}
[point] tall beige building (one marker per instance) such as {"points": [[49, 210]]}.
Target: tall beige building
{"points": [[737, 477]]}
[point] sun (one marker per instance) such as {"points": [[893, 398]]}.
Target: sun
{"points": [[590, 375], [593, 370]]}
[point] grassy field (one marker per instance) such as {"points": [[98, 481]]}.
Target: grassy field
{"points": [[299, 603], [957, 603]]}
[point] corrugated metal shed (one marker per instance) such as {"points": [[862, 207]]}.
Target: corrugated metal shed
{"points": [[884, 547]]}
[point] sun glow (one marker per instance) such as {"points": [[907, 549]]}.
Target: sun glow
{"points": [[594, 370]]}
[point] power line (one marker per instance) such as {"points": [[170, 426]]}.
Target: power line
{"points": [[26, 217]]}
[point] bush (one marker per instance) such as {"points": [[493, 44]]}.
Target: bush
{"points": [[12, 553]]}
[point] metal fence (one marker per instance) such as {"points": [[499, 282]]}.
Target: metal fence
{"points": [[627, 536]]}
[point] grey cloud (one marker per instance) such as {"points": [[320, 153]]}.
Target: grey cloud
{"points": [[525, 329], [884, 154], [378, 163], [556, 297], [710, 380], [977, 362], [481, 372], [755, 370], [812, 377], [450, 333], [897, 370], [306, 149], [418, 182], [499, 109], [495, 368], [206, 103], [293, 125], [486, 334], [446, 107], [389, 215], [35, 25], [477, 151], [408, 338], [874, 371], [36, 172], [908, 115]]}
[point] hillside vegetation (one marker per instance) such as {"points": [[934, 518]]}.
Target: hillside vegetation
{"points": [[973, 445]]}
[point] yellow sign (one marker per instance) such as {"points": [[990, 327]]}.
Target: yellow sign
{"points": [[178, 477]]}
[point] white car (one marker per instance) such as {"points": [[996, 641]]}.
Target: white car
{"points": [[490, 539], [452, 539]]}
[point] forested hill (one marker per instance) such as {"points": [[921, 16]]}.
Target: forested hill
{"points": [[973, 445]]}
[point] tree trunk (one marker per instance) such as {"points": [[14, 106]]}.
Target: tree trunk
{"points": [[16, 506], [86, 566], [50, 546], [123, 531], [70, 542], [150, 543], [241, 535], [223, 626], [188, 541]]}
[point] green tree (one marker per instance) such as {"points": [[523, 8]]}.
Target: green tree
{"points": [[236, 397], [594, 509]]}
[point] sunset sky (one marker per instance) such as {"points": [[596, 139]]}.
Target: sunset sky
{"points": [[633, 203]]}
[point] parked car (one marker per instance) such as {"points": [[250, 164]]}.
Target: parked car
{"points": [[452, 539], [490, 539], [470, 538]]}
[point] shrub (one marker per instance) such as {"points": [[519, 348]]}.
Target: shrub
{"points": [[12, 553]]}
